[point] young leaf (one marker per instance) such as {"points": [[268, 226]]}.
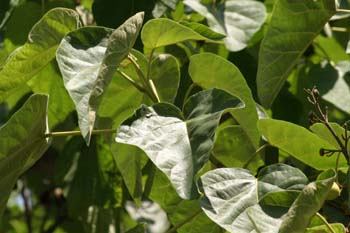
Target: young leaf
{"points": [[307, 204], [293, 26], [88, 58], [179, 146], [231, 196], [299, 143], [211, 71], [22, 143], [161, 32], [38, 51], [238, 19]]}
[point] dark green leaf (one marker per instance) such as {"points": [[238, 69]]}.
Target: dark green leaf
{"points": [[22, 143], [293, 26]]}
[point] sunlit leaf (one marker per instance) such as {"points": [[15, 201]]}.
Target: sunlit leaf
{"points": [[38, 51], [238, 19], [179, 146]]}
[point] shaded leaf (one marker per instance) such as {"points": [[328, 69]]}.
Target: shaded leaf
{"points": [[179, 146], [337, 227], [295, 140], [238, 19], [88, 58], [38, 51], [23, 143], [211, 71], [293, 26]]}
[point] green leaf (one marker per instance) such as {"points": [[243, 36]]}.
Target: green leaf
{"points": [[203, 30], [238, 19], [299, 143], [330, 49], [307, 204], [23, 143], [231, 196], [88, 58], [161, 32], [38, 51], [165, 73], [293, 26], [179, 146], [337, 227], [323, 132], [130, 160], [211, 71]]}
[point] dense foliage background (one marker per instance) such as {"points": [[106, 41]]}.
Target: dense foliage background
{"points": [[265, 52]]}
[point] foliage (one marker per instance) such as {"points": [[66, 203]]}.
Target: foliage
{"points": [[174, 116]]}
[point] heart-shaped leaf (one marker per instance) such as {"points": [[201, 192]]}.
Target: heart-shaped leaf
{"points": [[292, 28], [295, 140], [238, 19], [179, 146], [38, 51], [88, 58], [22, 143]]}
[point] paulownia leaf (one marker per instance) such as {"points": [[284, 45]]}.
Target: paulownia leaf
{"points": [[22, 143], [161, 32], [237, 19], [307, 204], [299, 143], [232, 195], [88, 58], [210, 71], [293, 26], [38, 51], [179, 146]]}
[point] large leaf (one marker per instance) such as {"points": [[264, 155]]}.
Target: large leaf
{"points": [[22, 143], [161, 32], [293, 26], [237, 19], [179, 146], [38, 51], [232, 195], [307, 204], [88, 58], [210, 71], [299, 143]]}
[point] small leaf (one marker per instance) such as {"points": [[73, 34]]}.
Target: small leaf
{"points": [[38, 51], [323, 132], [295, 140], [307, 204], [88, 58], [161, 32], [204, 30], [337, 227], [293, 26], [22, 143], [179, 147], [238, 19]]}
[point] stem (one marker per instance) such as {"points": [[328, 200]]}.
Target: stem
{"points": [[150, 178], [177, 226], [27, 209], [124, 75], [255, 154], [346, 11], [149, 64], [74, 133], [340, 29], [330, 228]]}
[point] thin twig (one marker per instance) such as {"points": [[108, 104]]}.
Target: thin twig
{"points": [[340, 29], [330, 228], [130, 80], [27, 209], [255, 154], [77, 132], [346, 11]]}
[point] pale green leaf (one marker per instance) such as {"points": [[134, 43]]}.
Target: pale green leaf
{"points": [[179, 146], [237, 19], [88, 59], [38, 51], [22, 143], [293, 26], [295, 140]]}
